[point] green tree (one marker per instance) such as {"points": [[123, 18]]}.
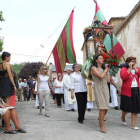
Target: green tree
{"points": [[1, 40], [1, 16], [30, 69], [17, 67]]}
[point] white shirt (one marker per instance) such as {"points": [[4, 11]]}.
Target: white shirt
{"points": [[43, 82], [78, 82], [66, 85], [36, 86], [134, 82], [20, 84], [59, 90]]}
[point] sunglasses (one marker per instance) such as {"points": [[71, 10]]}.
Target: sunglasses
{"points": [[44, 68]]}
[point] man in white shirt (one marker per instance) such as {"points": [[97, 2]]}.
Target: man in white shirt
{"points": [[19, 90], [70, 104]]}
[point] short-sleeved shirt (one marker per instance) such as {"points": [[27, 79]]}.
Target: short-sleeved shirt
{"points": [[20, 85]]}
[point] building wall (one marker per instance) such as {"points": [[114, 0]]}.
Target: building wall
{"points": [[115, 22], [129, 38], [90, 45]]}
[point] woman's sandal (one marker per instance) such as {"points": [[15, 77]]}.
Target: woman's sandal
{"points": [[40, 113], [47, 115], [11, 132], [21, 130]]}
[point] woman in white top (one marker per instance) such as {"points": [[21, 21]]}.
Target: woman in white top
{"points": [[43, 91], [79, 87], [59, 91]]}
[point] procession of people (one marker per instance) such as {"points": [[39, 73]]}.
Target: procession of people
{"points": [[79, 92]]}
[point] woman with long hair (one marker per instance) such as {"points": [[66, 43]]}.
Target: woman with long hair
{"points": [[43, 91], [7, 85], [130, 91], [59, 91], [100, 78]]}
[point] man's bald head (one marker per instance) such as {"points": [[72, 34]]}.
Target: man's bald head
{"points": [[68, 71]]}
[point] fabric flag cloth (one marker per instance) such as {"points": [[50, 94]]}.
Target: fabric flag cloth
{"points": [[118, 49], [63, 51]]}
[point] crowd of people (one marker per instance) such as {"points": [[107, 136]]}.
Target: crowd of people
{"points": [[73, 90]]}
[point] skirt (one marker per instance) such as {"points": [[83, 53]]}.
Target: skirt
{"points": [[6, 87], [131, 104]]}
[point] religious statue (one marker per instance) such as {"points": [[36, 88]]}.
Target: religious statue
{"points": [[100, 45]]}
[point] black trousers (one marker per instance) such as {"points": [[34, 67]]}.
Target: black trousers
{"points": [[63, 99], [25, 93], [58, 97], [29, 96], [81, 98]]}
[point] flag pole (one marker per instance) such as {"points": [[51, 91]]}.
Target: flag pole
{"points": [[48, 59]]}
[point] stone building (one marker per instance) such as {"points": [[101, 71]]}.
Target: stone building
{"points": [[90, 47], [54, 73], [115, 22], [127, 31]]}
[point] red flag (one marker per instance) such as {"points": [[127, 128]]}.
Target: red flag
{"points": [[63, 51]]}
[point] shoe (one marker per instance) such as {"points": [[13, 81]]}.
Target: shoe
{"points": [[38, 107], [88, 109], [11, 132], [42, 107], [81, 122], [47, 115], [21, 131], [72, 109], [124, 123], [68, 110], [135, 128], [40, 113], [116, 108]]}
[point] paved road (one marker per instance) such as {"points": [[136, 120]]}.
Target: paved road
{"points": [[63, 125]]}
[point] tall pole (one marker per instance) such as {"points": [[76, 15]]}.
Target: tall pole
{"points": [[112, 41], [48, 59], [86, 51], [94, 39]]}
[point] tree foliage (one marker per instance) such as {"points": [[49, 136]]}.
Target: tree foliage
{"points": [[17, 67], [1, 16], [30, 69], [1, 40], [80, 65]]}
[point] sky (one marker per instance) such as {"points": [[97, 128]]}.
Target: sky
{"points": [[31, 23]]}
